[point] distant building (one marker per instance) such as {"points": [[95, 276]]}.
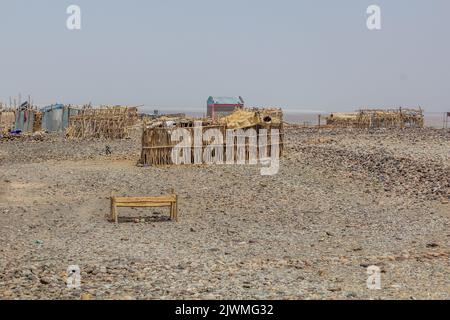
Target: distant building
{"points": [[223, 106]]}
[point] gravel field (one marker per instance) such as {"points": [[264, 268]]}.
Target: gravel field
{"points": [[342, 201]]}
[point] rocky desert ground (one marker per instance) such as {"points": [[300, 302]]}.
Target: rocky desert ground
{"points": [[342, 201]]}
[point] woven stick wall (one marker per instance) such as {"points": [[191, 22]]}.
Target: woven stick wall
{"points": [[106, 123], [157, 145], [7, 120], [393, 118]]}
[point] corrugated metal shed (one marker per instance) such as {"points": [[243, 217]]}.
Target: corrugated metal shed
{"points": [[56, 117], [25, 120]]}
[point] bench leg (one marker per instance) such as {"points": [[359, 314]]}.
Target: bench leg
{"points": [[172, 211], [114, 215], [112, 210], [176, 210]]}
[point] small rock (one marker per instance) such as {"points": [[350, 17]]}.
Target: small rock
{"points": [[432, 245], [364, 265], [45, 280]]}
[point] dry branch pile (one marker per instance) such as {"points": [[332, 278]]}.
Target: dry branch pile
{"points": [[105, 122]]}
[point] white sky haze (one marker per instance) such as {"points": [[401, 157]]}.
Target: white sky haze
{"points": [[174, 53]]}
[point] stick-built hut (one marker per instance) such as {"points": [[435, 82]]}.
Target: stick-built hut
{"points": [[378, 118], [104, 122], [157, 144]]}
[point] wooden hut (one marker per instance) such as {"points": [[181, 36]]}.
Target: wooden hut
{"points": [[157, 144], [378, 118]]}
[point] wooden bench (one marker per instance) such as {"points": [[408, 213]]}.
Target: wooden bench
{"points": [[142, 202]]}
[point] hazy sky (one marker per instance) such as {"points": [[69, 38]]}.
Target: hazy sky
{"points": [[295, 54]]}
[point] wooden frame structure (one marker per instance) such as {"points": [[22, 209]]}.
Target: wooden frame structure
{"points": [[378, 118], [104, 122], [145, 202]]}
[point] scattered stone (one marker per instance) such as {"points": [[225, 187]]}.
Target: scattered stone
{"points": [[46, 280], [321, 192], [432, 245]]}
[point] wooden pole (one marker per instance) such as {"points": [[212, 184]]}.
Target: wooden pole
{"points": [[172, 207], [443, 120], [176, 208], [116, 216]]}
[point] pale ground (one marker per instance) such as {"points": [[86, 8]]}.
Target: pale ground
{"points": [[307, 233]]}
